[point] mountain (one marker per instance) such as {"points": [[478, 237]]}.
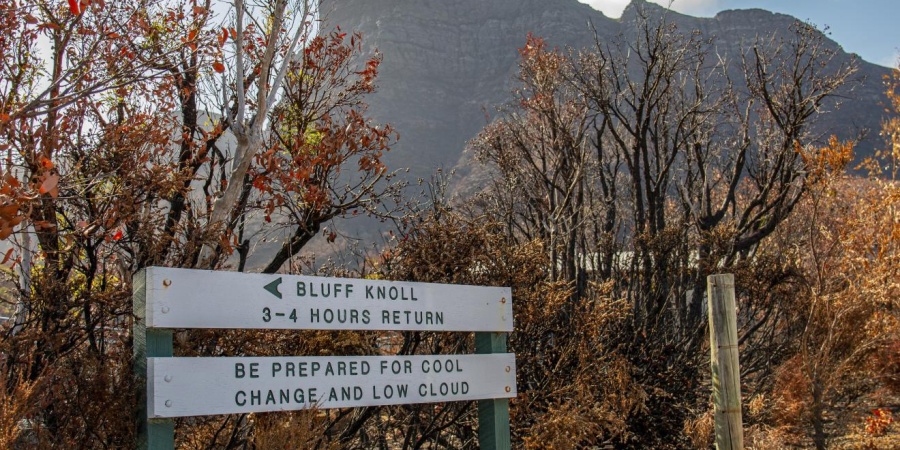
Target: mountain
{"points": [[449, 63]]}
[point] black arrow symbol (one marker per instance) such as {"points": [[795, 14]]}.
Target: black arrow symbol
{"points": [[273, 287]]}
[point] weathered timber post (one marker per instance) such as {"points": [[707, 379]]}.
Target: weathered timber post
{"points": [[493, 414], [153, 434], [726, 378]]}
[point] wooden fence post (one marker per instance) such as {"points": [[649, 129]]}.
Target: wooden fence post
{"points": [[493, 414], [153, 434], [726, 373]]}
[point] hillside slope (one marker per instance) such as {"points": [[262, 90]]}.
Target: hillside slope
{"points": [[449, 63]]}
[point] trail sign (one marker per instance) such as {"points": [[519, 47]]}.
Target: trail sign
{"points": [[165, 299], [203, 386], [183, 298]]}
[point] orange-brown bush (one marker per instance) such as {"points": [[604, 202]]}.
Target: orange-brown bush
{"points": [[16, 405], [575, 390], [845, 245], [81, 397]]}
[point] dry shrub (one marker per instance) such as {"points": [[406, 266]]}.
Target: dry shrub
{"points": [[18, 407], [96, 398], [887, 364], [290, 431], [575, 390], [81, 398], [590, 410], [879, 422], [761, 437], [701, 430], [843, 357], [790, 408], [294, 430], [220, 432], [565, 425]]}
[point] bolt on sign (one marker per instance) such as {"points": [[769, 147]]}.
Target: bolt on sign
{"points": [[166, 299]]}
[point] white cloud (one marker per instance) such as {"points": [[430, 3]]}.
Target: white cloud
{"points": [[695, 7], [609, 8], [613, 8]]}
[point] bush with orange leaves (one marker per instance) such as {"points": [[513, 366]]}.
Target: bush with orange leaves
{"points": [[575, 389], [878, 423], [844, 241]]}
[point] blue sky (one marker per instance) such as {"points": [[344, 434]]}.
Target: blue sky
{"points": [[866, 27]]}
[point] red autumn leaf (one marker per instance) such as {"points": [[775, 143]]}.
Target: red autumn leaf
{"points": [[218, 67], [30, 19], [7, 256], [223, 37], [233, 32], [5, 231], [118, 235], [85, 4], [259, 183], [46, 163], [198, 10], [73, 7], [8, 211], [226, 246]]}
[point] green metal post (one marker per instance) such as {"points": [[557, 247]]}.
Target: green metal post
{"points": [[153, 434], [493, 414]]}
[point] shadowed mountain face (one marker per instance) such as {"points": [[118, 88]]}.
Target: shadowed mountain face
{"points": [[449, 63]]}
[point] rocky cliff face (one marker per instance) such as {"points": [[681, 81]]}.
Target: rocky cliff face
{"points": [[449, 63]]}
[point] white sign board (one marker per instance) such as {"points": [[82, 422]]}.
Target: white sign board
{"points": [[225, 385], [188, 298]]}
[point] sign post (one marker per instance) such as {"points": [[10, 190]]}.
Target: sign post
{"points": [[493, 414], [153, 434], [166, 299]]}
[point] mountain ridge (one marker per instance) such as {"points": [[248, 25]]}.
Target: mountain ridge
{"points": [[448, 64]]}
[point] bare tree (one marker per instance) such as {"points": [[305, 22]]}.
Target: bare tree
{"points": [[540, 150], [648, 162]]}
